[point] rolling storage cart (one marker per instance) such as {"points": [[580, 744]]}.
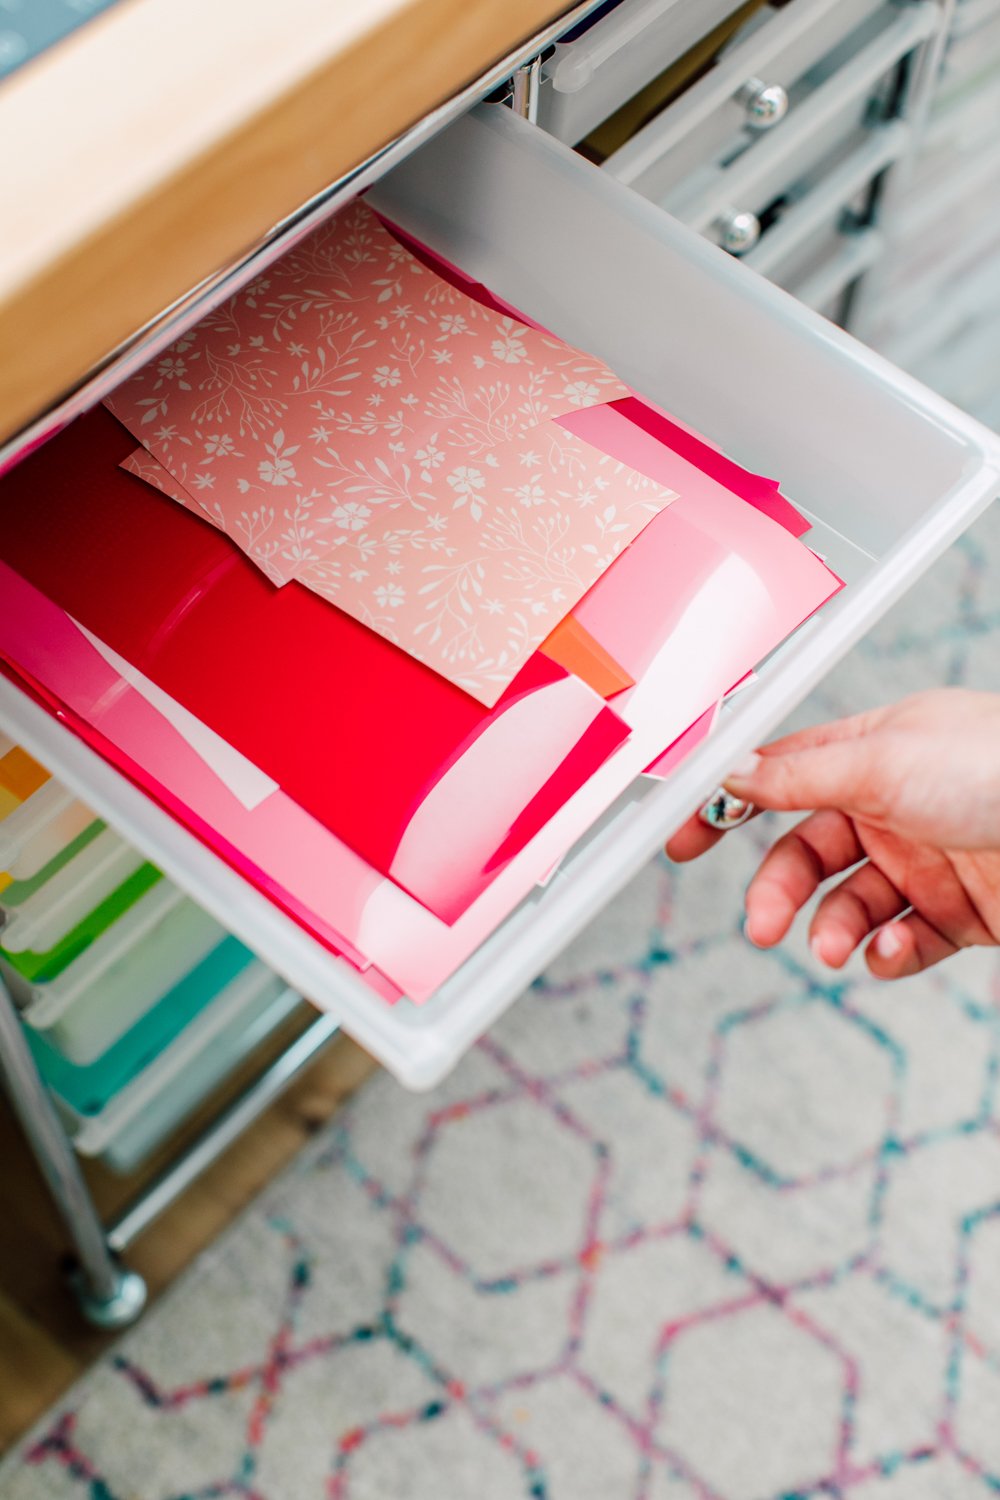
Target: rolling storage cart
{"points": [[887, 472]]}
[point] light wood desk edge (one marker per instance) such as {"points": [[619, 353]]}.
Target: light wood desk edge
{"points": [[161, 140]]}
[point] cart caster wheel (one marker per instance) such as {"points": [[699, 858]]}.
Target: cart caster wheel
{"points": [[118, 1310]]}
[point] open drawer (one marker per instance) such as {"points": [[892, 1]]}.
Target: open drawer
{"points": [[600, 64], [889, 473]]}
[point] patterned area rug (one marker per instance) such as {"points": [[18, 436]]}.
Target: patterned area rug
{"points": [[693, 1223]]}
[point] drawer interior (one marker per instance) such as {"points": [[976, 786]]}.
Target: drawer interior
{"points": [[682, 323], [889, 473]]}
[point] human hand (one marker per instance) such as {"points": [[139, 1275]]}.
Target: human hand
{"points": [[910, 794]]}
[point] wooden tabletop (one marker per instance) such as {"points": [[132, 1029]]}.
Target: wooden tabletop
{"points": [[161, 140]]}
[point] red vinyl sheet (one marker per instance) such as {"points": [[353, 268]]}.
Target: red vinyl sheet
{"points": [[352, 728]]}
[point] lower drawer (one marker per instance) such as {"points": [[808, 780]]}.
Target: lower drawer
{"points": [[889, 473], [809, 227], [86, 1008], [840, 258], [139, 1119], [698, 179]]}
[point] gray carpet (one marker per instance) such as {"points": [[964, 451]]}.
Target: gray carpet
{"points": [[693, 1223]]}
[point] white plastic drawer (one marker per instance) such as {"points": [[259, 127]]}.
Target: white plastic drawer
{"points": [[845, 256], [86, 1008], [971, 14], [81, 885], [889, 472], [699, 157], [150, 1108], [802, 231], [588, 78], [37, 831]]}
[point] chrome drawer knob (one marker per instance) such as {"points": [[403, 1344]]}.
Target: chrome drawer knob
{"points": [[766, 104], [739, 230]]}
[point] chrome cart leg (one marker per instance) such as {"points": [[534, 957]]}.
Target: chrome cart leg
{"points": [[109, 1295]]}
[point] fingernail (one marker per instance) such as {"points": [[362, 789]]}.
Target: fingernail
{"points": [[830, 950], [745, 770], [748, 934], [888, 943], [816, 949]]}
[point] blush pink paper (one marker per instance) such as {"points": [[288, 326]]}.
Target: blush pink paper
{"points": [[763, 494]]}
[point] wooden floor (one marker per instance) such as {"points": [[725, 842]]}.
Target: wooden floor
{"points": [[44, 1345]]}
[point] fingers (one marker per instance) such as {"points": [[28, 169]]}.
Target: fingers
{"points": [[822, 845], [694, 838], [907, 947], [845, 774], [832, 732], [851, 911]]}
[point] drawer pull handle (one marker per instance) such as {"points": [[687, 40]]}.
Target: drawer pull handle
{"points": [[739, 230], [766, 104]]}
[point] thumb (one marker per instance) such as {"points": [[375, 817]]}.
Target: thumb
{"points": [[842, 774]]}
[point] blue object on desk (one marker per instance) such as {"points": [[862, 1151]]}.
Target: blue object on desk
{"points": [[30, 27]]}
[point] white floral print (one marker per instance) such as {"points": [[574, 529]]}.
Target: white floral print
{"points": [[351, 516], [389, 596], [582, 393]]}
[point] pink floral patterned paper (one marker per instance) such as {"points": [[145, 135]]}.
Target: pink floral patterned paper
{"points": [[471, 578], [351, 383], [343, 365]]}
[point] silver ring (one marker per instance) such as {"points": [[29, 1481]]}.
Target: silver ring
{"points": [[723, 811]]}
